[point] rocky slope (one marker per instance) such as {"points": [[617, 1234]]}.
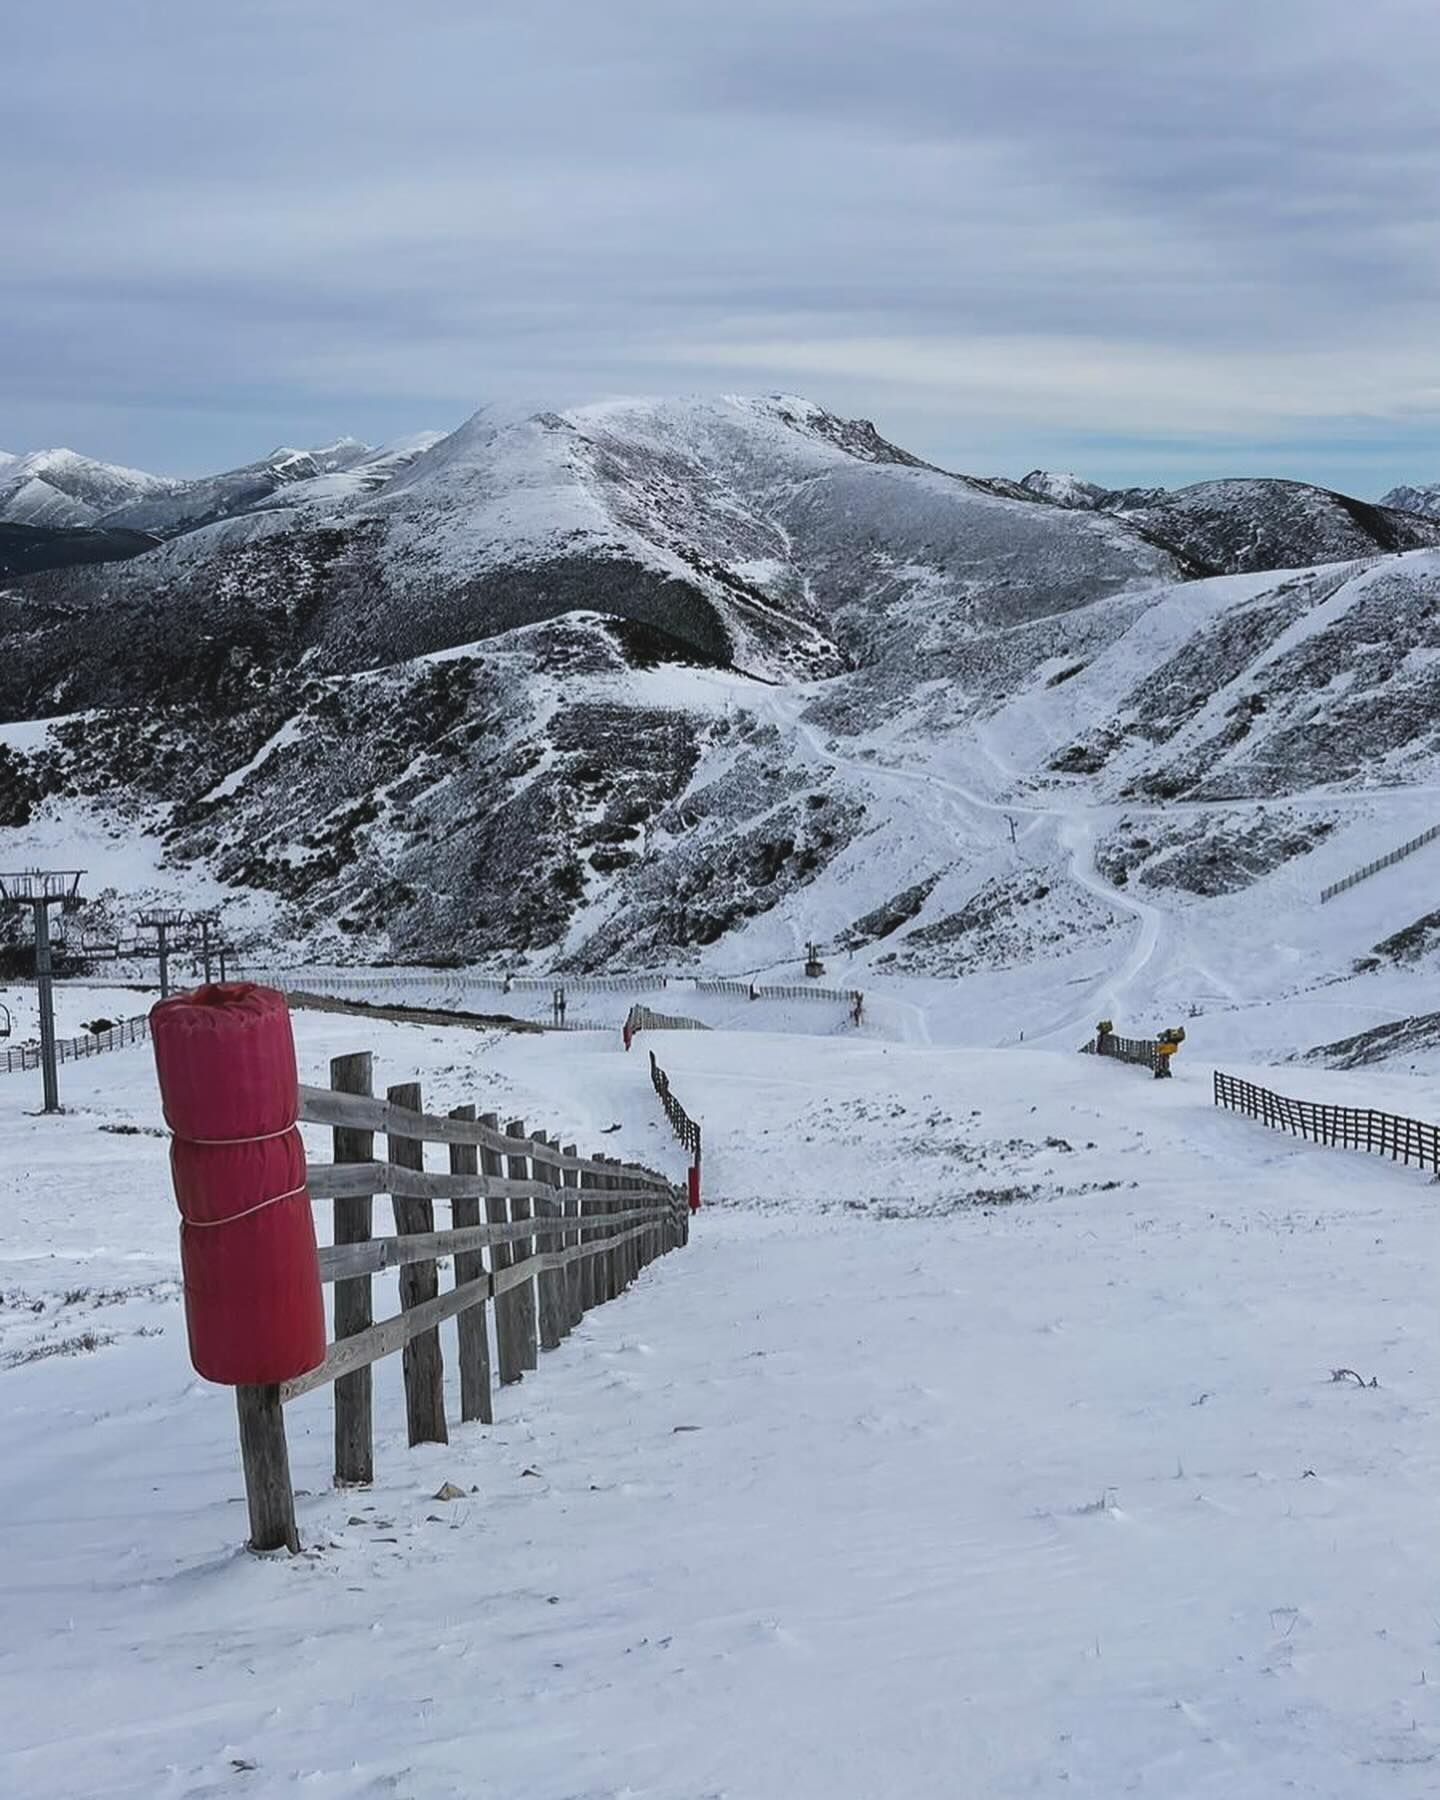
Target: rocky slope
{"points": [[1230, 527], [654, 682], [55, 489], [765, 534], [1424, 500]]}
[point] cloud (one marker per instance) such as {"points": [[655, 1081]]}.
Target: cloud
{"points": [[996, 229]]}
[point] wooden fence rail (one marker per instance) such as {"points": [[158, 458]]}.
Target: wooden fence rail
{"points": [[75, 1049], [850, 997], [1381, 862], [561, 1233], [641, 1018], [1150, 1053], [1346, 1127], [684, 1127], [287, 980]]}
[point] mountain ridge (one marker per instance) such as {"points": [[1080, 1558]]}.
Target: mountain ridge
{"points": [[649, 683]]}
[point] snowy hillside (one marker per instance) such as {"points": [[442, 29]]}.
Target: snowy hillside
{"points": [[1013, 1423], [985, 1440], [1230, 527], [1415, 499], [1063, 487], [685, 684], [56, 488], [321, 479]]}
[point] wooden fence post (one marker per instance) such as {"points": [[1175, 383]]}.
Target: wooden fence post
{"points": [[629, 1252], [475, 1401], [574, 1275], [518, 1168], [266, 1460], [419, 1281], [552, 1326], [619, 1257], [605, 1261], [592, 1286], [497, 1212], [354, 1430], [635, 1249]]}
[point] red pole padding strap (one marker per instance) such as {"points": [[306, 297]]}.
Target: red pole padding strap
{"points": [[225, 1056], [695, 1187]]}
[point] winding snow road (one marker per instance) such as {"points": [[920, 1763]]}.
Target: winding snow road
{"points": [[1074, 831]]}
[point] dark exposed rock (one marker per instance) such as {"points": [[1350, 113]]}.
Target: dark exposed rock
{"points": [[885, 920], [1381, 1044], [1208, 855]]}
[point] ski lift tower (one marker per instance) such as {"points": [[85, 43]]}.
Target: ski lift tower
{"points": [[207, 923], [40, 890], [162, 920]]}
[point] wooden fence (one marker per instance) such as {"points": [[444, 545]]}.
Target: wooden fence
{"points": [[1347, 1127], [562, 1233], [850, 997], [1150, 1053], [750, 990], [288, 980], [1381, 862], [592, 984], [74, 1049], [684, 1127], [641, 1018]]}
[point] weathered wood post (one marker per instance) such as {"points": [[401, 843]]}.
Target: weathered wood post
{"points": [[605, 1272], [619, 1257], [548, 1284], [625, 1253], [575, 1274], [497, 1212], [518, 1169], [635, 1249], [592, 1288], [475, 1400], [266, 1460], [354, 1310], [419, 1282]]}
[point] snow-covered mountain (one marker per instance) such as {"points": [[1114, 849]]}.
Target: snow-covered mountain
{"points": [[1064, 488], [57, 488], [658, 682], [1424, 500], [329, 476], [763, 533], [1228, 527]]}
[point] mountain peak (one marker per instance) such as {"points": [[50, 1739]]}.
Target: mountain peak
{"points": [[1064, 488], [1424, 499]]}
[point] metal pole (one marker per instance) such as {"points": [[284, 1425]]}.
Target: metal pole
{"points": [[221, 954], [164, 953], [44, 981], [205, 948]]}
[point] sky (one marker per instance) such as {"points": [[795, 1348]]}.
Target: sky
{"points": [[1150, 240]]}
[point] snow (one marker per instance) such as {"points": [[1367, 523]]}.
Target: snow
{"points": [[63, 488], [892, 1483], [287, 734], [1423, 499], [1063, 487]]}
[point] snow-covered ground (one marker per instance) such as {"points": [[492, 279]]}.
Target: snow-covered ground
{"points": [[983, 1442]]}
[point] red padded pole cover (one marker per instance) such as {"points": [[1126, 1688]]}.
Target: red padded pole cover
{"points": [[225, 1056]]}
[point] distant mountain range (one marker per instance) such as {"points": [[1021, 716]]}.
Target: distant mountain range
{"points": [[1415, 499], [651, 680], [71, 508], [1255, 524]]}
